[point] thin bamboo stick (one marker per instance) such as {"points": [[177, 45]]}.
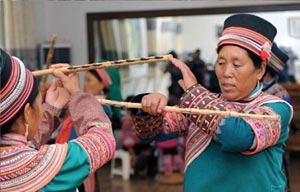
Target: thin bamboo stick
{"points": [[106, 64], [193, 110], [50, 56]]}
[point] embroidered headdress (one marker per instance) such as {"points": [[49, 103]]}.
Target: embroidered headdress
{"points": [[18, 87], [250, 32], [277, 59]]}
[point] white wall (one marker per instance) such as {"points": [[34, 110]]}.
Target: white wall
{"points": [[67, 18], [200, 32]]}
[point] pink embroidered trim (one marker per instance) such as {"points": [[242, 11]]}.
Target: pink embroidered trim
{"points": [[25, 169], [248, 39], [267, 133], [175, 122], [98, 145], [277, 90]]}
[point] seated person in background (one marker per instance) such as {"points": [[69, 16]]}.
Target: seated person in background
{"points": [[129, 138], [142, 153], [169, 158], [24, 118]]}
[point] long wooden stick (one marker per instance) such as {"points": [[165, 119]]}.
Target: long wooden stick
{"points": [[193, 110], [50, 56], [106, 64]]}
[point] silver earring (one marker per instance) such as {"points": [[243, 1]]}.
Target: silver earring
{"points": [[26, 130]]}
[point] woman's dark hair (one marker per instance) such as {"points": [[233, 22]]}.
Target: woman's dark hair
{"points": [[5, 128], [95, 74], [271, 71], [257, 61], [255, 58], [129, 98], [174, 54]]}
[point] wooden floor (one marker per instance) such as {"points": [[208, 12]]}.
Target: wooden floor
{"points": [[294, 172], [117, 184]]}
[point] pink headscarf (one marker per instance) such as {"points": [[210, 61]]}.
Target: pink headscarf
{"points": [[106, 79]]}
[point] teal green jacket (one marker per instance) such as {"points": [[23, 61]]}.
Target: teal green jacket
{"points": [[234, 159], [75, 169], [221, 166]]}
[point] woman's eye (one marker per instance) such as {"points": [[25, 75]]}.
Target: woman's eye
{"points": [[236, 65], [220, 63]]}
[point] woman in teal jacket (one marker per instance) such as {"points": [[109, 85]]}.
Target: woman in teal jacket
{"points": [[33, 166], [226, 153]]}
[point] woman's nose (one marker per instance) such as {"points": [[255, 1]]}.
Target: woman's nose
{"points": [[227, 71]]}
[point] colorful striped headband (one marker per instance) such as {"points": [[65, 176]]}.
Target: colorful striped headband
{"points": [[250, 32], [17, 84], [278, 59]]}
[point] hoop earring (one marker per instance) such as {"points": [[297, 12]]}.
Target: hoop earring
{"points": [[26, 130]]}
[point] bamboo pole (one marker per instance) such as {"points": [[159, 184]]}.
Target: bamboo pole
{"points": [[104, 65], [193, 110], [50, 56]]}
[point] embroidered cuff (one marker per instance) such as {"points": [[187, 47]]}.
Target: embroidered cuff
{"points": [[52, 110], [145, 125], [99, 125], [175, 122], [98, 145], [200, 98], [76, 93], [266, 132]]}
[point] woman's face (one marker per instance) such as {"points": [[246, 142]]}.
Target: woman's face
{"points": [[92, 85], [236, 73], [35, 115]]}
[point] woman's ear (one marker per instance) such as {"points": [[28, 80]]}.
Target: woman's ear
{"points": [[27, 114], [262, 70]]}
